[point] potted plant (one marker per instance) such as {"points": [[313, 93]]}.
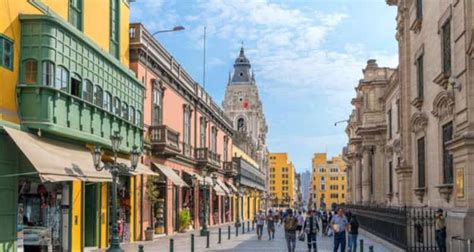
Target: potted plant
{"points": [[149, 232], [184, 219], [153, 194]]}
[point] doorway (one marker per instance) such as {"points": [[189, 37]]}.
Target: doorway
{"points": [[91, 215]]}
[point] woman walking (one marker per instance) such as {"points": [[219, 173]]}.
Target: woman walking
{"points": [[353, 232]]}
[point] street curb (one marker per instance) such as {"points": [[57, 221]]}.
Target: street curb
{"points": [[379, 240]]}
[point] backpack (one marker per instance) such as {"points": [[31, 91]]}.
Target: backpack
{"points": [[290, 223]]}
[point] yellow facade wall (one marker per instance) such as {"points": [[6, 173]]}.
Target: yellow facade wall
{"points": [[281, 179], [132, 208], [329, 180], [103, 216], [237, 152], [76, 211]]}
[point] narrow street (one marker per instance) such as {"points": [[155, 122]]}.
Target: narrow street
{"points": [[245, 242]]}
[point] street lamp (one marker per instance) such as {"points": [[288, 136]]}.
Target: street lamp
{"points": [[237, 222], [115, 168], [175, 29], [205, 186]]}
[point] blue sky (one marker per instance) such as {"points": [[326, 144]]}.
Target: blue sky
{"points": [[307, 56]]}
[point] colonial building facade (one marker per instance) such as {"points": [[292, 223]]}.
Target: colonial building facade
{"points": [[422, 152], [329, 181], [281, 180]]}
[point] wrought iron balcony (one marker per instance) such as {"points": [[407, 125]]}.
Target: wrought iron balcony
{"points": [[208, 159], [164, 140], [230, 169]]}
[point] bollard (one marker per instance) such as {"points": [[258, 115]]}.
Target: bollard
{"points": [[248, 226], [228, 232], [371, 248], [219, 238], [361, 245], [171, 244], [236, 230], [192, 242], [140, 248], [253, 225], [207, 239], [243, 227]]}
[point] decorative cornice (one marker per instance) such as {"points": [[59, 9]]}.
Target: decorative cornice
{"points": [[418, 122], [417, 102], [442, 79], [443, 105], [416, 25]]}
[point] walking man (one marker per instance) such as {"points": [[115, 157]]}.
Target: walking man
{"points": [[290, 223], [324, 221], [300, 219], [260, 222], [311, 228], [440, 230], [353, 233], [339, 226], [271, 225]]}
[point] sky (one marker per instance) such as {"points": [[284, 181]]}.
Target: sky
{"points": [[307, 56]]}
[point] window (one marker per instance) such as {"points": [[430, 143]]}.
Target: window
{"points": [[31, 71], [139, 118], [75, 13], [419, 9], [389, 122], [226, 143], [421, 162], [157, 95], [390, 177], [214, 139], [108, 102], [446, 43], [241, 125], [323, 187], [125, 110], [399, 119], [114, 27], [76, 85], [420, 76], [87, 92], [447, 157], [6, 53], [98, 96], [132, 114], [342, 187], [48, 73], [62, 78], [203, 129], [117, 106], [342, 195], [187, 124]]}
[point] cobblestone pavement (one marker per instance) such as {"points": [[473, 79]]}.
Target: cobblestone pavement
{"points": [[244, 242]]}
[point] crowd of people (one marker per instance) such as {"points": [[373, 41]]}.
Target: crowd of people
{"points": [[304, 226]]}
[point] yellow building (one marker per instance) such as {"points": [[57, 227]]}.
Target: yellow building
{"points": [[329, 181], [65, 87], [281, 180]]}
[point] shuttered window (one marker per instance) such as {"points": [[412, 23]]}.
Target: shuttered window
{"points": [[421, 162], [420, 77], [446, 29], [447, 157]]}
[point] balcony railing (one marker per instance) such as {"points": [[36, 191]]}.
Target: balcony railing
{"points": [[187, 150], [230, 169], [164, 140], [205, 157]]}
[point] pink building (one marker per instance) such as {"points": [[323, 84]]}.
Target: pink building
{"points": [[186, 134]]}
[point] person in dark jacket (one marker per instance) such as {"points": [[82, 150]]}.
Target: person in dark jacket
{"points": [[311, 228], [353, 233]]}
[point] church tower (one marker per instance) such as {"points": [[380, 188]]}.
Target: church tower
{"points": [[243, 106]]}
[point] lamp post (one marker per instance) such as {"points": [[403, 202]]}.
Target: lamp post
{"points": [[115, 168], [206, 187], [265, 198], [237, 222]]}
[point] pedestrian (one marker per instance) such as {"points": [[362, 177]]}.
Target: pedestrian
{"points": [[271, 225], [311, 228], [440, 230], [290, 224], [300, 219], [324, 222], [353, 233], [260, 219], [339, 226]]}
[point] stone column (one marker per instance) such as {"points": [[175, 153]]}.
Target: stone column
{"points": [[379, 176], [349, 183], [358, 180], [366, 179]]}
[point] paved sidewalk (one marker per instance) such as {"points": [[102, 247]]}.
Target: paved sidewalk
{"points": [[244, 242]]}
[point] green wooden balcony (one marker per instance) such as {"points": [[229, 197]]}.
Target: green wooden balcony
{"points": [[70, 87]]}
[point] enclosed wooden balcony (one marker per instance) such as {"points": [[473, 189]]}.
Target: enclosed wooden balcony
{"points": [[230, 169], [164, 141], [208, 159]]}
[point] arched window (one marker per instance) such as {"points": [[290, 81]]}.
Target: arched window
{"points": [[98, 96], [125, 110], [48, 73], [108, 102], [31, 71], [138, 121], [76, 85], [62, 78], [241, 125], [117, 107], [87, 90], [132, 114]]}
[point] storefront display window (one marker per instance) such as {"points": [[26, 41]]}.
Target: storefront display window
{"points": [[123, 209]]}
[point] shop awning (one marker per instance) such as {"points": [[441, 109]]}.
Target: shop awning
{"points": [[57, 161], [224, 187], [171, 175], [231, 186], [141, 168], [219, 191]]}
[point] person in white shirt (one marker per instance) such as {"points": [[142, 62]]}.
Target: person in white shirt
{"points": [[300, 219], [260, 223]]}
